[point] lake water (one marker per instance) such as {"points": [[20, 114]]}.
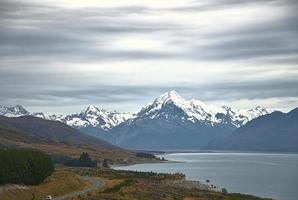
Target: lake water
{"points": [[260, 174]]}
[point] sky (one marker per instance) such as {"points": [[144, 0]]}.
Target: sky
{"points": [[60, 56]]}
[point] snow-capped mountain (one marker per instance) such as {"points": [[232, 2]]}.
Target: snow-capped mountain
{"points": [[96, 118], [169, 105], [197, 111], [13, 111], [169, 122], [91, 117]]}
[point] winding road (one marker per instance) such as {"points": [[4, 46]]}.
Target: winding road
{"points": [[96, 184]]}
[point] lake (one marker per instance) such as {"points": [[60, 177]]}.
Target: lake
{"points": [[260, 174]]}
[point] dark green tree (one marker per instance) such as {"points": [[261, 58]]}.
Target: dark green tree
{"points": [[105, 163], [24, 166], [85, 160], [224, 190]]}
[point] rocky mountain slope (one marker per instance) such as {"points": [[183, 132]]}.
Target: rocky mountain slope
{"points": [[272, 132]]}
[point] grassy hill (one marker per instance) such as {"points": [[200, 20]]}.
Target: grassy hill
{"points": [[56, 138]]}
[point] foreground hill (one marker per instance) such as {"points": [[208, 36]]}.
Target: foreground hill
{"points": [[57, 138], [273, 132], [37, 129]]}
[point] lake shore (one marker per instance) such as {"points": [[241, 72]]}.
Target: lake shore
{"points": [[239, 172]]}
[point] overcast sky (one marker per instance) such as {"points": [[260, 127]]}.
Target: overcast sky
{"points": [[60, 56]]}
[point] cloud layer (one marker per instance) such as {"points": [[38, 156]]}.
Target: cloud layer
{"points": [[121, 55]]}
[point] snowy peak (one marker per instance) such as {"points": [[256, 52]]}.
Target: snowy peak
{"points": [[193, 110], [92, 116], [13, 111], [167, 106], [96, 117], [257, 111], [170, 97], [197, 111], [241, 117], [92, 110]]}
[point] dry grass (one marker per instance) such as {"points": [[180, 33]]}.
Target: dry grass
{"points": [[59, 183]]}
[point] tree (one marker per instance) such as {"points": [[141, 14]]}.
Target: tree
{"points": [[105, 163], [85, 160], [24, 166], [224, 190]]}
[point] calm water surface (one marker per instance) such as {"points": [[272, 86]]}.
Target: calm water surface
{"points": [[261, 174]]}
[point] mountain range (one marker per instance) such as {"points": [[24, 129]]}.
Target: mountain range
{"points": [[169, 122], [273, 132], [195, 111]]}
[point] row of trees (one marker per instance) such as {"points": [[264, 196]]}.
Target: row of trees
{"points": [[24, 166], [83, 161], [145, 155]]}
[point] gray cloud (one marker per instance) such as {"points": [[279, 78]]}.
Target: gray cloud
{"points": [[57, 89], [34, 36], [198, 5], [70, 34]]}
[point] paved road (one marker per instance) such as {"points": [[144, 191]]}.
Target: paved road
{"points": [[96, 183]]}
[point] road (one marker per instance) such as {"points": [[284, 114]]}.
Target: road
{"points": [[96, 183]]}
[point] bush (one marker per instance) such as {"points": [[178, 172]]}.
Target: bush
{"points": [[24, 166]]}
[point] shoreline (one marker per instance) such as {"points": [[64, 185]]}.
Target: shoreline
{"points": [[145, 162], [219, 185], [162, 152]]}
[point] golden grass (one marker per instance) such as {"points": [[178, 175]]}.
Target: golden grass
{"points": [[59, 183]]}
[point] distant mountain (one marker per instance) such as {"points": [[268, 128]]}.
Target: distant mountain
{"points": [[13, 111], [272, 132], [91, 117], [170, 122]]}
